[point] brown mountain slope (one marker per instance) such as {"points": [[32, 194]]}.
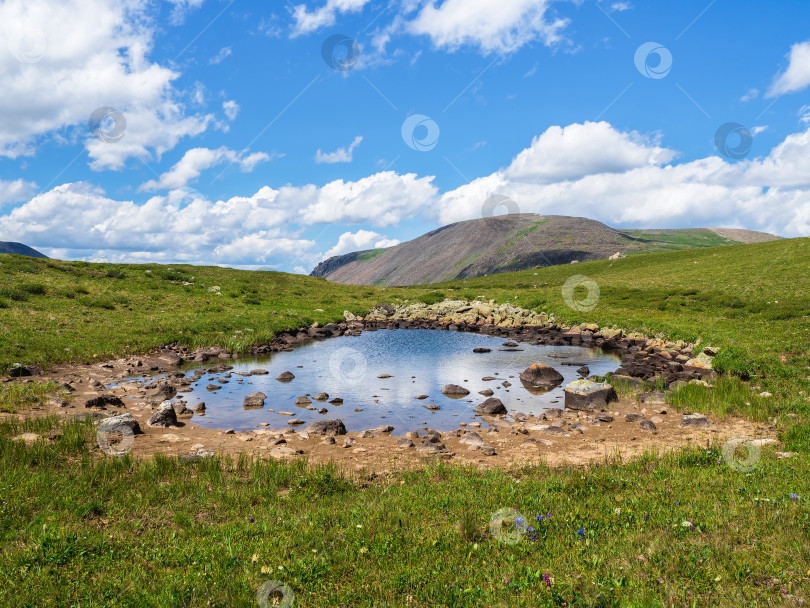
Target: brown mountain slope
{"points": [[506, 243]]}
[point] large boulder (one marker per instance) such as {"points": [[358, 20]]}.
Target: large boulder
{"points": [[454, 390], [327, 427], [164, 417], [20, 371], [492, 406], [541, 376], [255, 400], [113, 423], [589, 396]]}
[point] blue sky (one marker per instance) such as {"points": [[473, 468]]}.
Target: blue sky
{"points": [[217, 132]]}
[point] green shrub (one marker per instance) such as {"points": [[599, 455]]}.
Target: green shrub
{"points": [[734, 360], [432, 297]]}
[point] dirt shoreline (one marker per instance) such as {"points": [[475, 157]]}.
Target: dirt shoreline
{"points": [[523, 442]]}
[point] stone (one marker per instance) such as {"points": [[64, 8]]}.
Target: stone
{"points": [[295, 422], [282, 377], [698, 421], [472, 438], [481, 350], [421, 396], [632, 417], [255, 400], [164, 393], [552, 412], [601, 417], [384, 376], [336, 401], [283, 452], [541, 376], [285, 413], [487, 392], [365, 435], [164, 417], [585, 395], [510, 344], [302, 400], [327, 427], [454, 390], [213, 387], [114, 423], [648, 425], [323, 410], [180, 409], [488, 378], [104, 400], [321, 397], [405, 443], [617, 256], [555, 430], [22, 371], [584, 370], [328, 440], [702, 361], [259, 372], [492, 406], [200, 408], [432, 407], [385, 428]]}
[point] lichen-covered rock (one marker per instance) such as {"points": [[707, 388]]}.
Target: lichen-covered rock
{"points": [[589, 396]]}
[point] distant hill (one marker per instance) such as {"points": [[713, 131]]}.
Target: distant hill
{"points": [[511, 242], [20, 249]]}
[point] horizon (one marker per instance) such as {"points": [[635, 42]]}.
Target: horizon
{"points": [[216, 133]]}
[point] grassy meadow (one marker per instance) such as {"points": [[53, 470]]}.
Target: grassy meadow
{"points": [[685, 529]]}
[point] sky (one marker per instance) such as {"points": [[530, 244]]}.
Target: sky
{"points": [[272, 135]]}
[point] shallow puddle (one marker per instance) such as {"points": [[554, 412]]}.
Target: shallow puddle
{"points": [[420, 362]]}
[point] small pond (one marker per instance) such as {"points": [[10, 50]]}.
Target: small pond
{"points": [[420, 362]]}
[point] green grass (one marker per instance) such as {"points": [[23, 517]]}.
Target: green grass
{"points": [[370, 255], [678, 239], [118, 532], [77, 528]]}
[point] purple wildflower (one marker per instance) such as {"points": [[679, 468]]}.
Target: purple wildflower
{"points": [[252, 520], [547, 579], [794, 496]]}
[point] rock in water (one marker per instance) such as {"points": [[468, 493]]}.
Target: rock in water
{"points": [[455, 390], [255, 400], [589, 396], [285, 376], [164, 416], [327, 427], [492, 406], [540, 375]]}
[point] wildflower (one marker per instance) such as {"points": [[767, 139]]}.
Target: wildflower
{"points": [[363, 549], [255, 558], [519, 521], [252, 520], [794, 496], [547, 579], [281, 567], [548, 515], [507, 581], [266, 569], [677, 503], [646, 518], [581, 532], [359, 525]]}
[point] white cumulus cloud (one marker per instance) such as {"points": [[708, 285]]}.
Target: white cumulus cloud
{"points": [[359, 241], [307, 21], [197, 160], [797, 75], [341, 155]]}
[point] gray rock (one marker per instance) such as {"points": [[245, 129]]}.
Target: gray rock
{"points": [[213, 387], [487, 392], [455, 390], [541, 376], [432, 407], [589, 396], [295, 422], [405, 443], [481, 350], [552, 413], [114, 423], [255, 400], [601, 417], [698, 421], [336, 401], [472, 438], [302, 401], [327, 427], [492, 406], [164, 417], [422, 397], [283, 452], [328, 440], [633, 417], [200, 408], [584, 370], [321, 397], [555, 430], [282, 377], [648, 425], [385, 428], [104, 400]]}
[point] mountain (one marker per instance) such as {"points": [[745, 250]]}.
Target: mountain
{"points": [[20, 249], [511, 242]]}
